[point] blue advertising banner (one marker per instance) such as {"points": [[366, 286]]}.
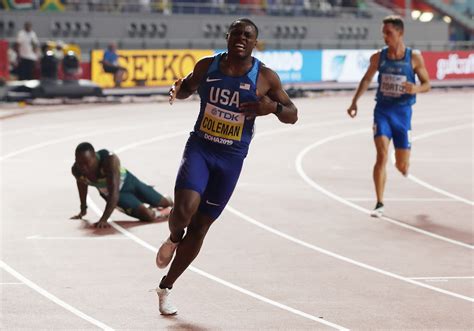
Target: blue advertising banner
{"points": [[293, 66], [346, 65]]}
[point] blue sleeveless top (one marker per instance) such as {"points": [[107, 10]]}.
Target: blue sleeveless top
{"points": [[220, 122], [392, 73]]}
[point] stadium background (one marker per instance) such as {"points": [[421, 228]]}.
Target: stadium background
{"points": [[306, 42], [296, 249]]}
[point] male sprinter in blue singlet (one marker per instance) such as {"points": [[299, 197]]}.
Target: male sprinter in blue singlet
{"points": [[234, 88], [118, 186], [396, 93]]}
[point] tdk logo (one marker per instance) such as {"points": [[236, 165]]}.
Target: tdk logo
{"points": [[225, 115]]}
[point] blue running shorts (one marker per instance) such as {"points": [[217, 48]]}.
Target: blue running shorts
{"points": [[210, 171], [394, 122]]}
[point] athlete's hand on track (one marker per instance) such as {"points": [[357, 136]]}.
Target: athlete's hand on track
{"points": [[102, 225], [262, 107], [410, 88], [78, 216], [174, 89], [352, 110]]}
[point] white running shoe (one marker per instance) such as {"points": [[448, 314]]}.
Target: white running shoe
{"points": [[165, 306], [378, 211], [165, 253], [160, 215]]}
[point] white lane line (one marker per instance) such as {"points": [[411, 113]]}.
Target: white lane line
{"points": [[312, 246], [40, 237], [449, 277], [258, 135], [57, 141], [143, 243], [28, 130], [427, 185], [53, 298], [440, 131], [270, 132], [347, 121], [221, 281], [281, 234], [35, 129], [61, 140], [307, 179], [343, 258], [406, 199], [150, 140], [432, 187], [12, 283], [440, 160]]}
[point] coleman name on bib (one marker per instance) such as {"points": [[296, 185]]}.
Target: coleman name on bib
{"points": [[222, 123]]}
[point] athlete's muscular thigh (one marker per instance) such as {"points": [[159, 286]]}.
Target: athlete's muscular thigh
{"points": [[186, 203]]}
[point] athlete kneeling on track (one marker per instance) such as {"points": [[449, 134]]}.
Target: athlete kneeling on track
{"points": [[118, 186]]}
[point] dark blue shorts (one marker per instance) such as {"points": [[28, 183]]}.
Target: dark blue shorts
{"points": [[211, 172], [393, 122]]}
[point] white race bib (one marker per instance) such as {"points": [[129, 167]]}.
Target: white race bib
{"points": [[392, 85]]}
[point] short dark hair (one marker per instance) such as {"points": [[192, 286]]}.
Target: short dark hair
{"points": [[84, 147], [395, 20], [244, 20]]}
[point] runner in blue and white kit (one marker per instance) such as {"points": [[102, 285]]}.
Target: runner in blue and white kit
{"points": [[234, 88], [396, 93]]}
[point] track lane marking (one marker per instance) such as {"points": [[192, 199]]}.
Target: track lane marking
{"points": [[312, 183], [52, 297], [57, 141], [343, 258], [40, 237], [221, 281], [426, 184], [448, 277]]}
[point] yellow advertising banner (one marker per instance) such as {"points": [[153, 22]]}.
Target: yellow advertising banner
{"points": [[148, 67]]}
